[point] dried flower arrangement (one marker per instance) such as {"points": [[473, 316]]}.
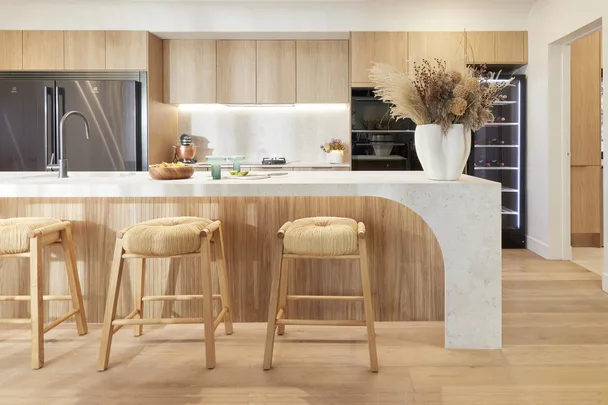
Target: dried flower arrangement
{"points": [[334, 144], [432, 94]]}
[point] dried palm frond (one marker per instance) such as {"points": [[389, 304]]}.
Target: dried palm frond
{"points": [[432, 94], [395, 87]]}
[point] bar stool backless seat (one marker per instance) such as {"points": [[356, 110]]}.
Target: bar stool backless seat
{"points": [[175, 237], [27, 238], [320, 238]]}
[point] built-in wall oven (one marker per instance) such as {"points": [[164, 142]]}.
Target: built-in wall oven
{"points": [[378, 141]]}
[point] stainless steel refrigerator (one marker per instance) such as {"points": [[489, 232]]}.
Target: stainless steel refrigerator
{"points": [[31, 107]]}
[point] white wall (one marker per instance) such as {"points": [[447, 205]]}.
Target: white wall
{"points": [[295, 133], [551, 23], [283, 16]]}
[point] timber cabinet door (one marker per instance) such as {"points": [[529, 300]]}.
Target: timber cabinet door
{"points": [[380, 47], [43, 50], [236, 72], [322, 72], [449, 46], [190, 71], [126, 50], [276, 72], [85, 50], [11, 50]]}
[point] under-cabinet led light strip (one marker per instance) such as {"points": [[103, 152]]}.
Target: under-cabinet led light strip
{"points": [[265, 107]]}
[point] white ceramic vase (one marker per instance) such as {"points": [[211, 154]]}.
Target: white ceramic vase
{"points": [[335, 156], [443, 156]]}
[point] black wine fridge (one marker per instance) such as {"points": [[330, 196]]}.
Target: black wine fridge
{"points": [[498, 154]]}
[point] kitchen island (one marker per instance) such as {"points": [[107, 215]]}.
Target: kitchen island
{"points": [[435, 248]]}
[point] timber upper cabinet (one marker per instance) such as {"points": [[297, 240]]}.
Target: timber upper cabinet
{"points": [[276, 72], [449, 46], [126, 50], [380, 47], [74, 50], [256, 72], [11, 50], [85, 50], [43, 50], [236, 72], [322, 72], [190, 71], [499, 47]]}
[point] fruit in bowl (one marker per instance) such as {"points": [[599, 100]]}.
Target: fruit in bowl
{"points": [[239, 173], [170, 171]]}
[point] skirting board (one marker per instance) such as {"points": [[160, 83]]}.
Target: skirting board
{"points": [[605, 282], [538, 247]]}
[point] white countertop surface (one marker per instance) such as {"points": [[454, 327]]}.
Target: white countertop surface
{"points": [[140, 184]]}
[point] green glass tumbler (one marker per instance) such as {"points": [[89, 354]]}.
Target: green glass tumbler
{"points": [[216, 172], [236, 166]]}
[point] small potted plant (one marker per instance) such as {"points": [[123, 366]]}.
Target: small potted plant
{"points": [[335, 150]]}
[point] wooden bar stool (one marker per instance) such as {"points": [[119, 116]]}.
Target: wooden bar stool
{"points": [[167, 238], [26, 238], [320, 238]]}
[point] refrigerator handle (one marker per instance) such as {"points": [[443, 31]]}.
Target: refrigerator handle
{"points": [[48, 138], [58, 114]]}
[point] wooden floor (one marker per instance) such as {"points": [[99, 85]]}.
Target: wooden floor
{"points": [[555, 352], [590, 258]]}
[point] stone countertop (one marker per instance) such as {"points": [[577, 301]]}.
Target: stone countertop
{"points": [[464, 215], [303, 183]]}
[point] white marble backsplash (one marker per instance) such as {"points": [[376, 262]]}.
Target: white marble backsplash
{"points": [[293, 132]]}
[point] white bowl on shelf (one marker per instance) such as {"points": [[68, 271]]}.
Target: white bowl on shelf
{"points": [[382, 148]]}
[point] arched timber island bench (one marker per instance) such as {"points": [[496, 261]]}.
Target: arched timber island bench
{"points": [[464, 215]]}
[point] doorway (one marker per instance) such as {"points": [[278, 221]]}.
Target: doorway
{"points": [[586, 151]]}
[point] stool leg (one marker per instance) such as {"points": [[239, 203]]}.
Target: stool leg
{"points": [[367, 303], [208, 302], [224, 284], [69, 254], [111, 304], [36, 308], [283, 293], [138, 294], [272, 314]]}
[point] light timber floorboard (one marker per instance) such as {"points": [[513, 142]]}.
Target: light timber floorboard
{"points": [[555, 352]]}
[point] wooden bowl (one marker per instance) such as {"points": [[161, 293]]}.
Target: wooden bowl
{"points": [[171, 173]]}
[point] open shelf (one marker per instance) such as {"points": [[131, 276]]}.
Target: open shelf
{"points": [[364, 98], [507, 211], [371, 143], [495, 168], [502, 124], [376, 157], [509, 190], [383, 131], [505, 102], [497, 146]]}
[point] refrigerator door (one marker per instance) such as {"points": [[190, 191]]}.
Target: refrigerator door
{"points": [[26, 124], [112, 110]]}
